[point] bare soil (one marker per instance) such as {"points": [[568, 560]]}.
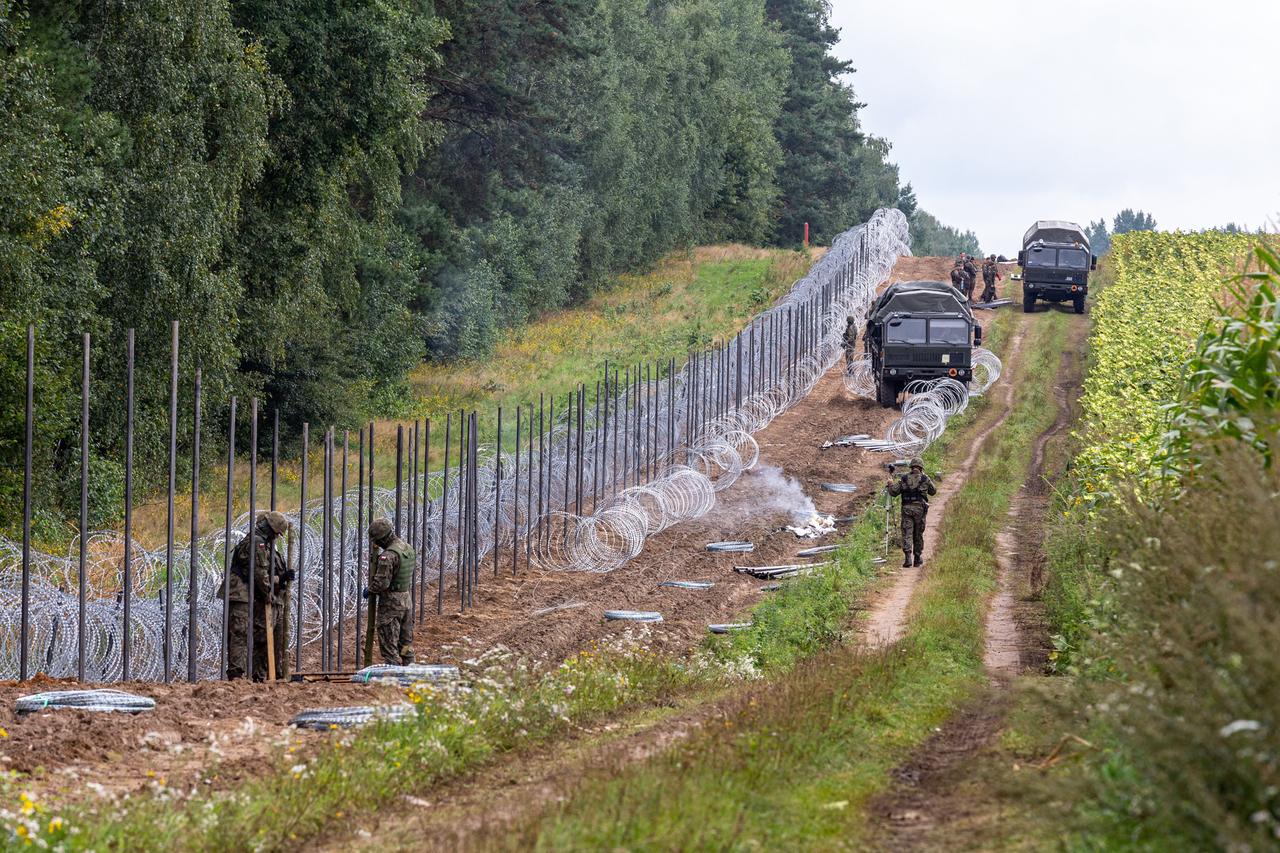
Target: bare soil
{"points": [[940, 797]]}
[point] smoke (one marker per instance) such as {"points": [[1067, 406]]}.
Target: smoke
{"points": [[766, 489]]}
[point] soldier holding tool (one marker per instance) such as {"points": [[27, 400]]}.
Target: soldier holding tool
{"points": [[272, 578], [914, 489], [390, 581]]}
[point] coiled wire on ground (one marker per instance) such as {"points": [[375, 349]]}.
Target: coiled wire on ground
{"points": [[610, 530], [103, 700]]}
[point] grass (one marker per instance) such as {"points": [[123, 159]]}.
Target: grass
{"points": [[511, 704], [797, 761], [691, 299]]}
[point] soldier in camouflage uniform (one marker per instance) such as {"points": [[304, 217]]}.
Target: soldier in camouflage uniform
{"points": [[391, 580], [971, 276], [914, 489], [271, 582], [990, 275], [957, 276], [850, 340]]}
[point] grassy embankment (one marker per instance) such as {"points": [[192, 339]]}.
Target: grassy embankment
{"points": [[509, 707], [689, 300], [1163, 581], [797, 762]]}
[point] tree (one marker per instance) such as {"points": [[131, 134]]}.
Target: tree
{"points": [[1132, 220], [832, 175], [1099, 237]]}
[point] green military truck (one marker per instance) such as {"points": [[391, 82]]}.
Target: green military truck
{"points": [[919, 330], [1055, 260]]}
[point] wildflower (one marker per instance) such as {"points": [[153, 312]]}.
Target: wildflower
{"points": [[55, 824]]}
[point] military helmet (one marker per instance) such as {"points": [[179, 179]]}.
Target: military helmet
{"points": [[991, 257], [380, 531], [916, 463], [275, 521]]}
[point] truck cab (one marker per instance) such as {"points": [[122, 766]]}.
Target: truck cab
{"points": [[1056, 260], [919, 330]]}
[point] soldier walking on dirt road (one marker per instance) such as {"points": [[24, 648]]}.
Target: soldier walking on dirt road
{"points": [[990, 275], [914, 489], [850, 340], [390, 582], [271, 585]]}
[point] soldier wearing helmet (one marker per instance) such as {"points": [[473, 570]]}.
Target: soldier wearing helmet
{"points": [[990, 275], [957, 276], [271, 584], [850, 340], [390, 584], [914, 489]]}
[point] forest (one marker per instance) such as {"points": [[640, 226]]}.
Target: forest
{"points": [[324, 194]]}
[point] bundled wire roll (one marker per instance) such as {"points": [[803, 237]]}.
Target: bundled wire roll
{"points": [[688, 584], [728, 627], [844, 488], [101, 700], [816, 550], [731, 547], [349, 716], [632, 616], [406, 675]]}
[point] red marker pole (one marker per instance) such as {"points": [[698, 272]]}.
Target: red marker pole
{"points": [[806, 235]]}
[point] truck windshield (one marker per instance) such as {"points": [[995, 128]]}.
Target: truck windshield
{"points": [[909, 331], [948, 332], [1041, 257], [1072, 259]]}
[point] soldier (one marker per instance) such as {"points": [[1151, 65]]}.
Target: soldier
{"points": [[390, 581], [271, 584], [914, 489], [990, 275], [957, 276], [971, 276], [850, 340]]}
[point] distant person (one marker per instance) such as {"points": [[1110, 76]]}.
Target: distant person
{"points": [[850, 340], [390, 582], [271, 583], [990, 275], [971, 276], [957, 276], [914, 489]]}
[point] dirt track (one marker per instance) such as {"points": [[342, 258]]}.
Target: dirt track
{"points": [[235, 725]]}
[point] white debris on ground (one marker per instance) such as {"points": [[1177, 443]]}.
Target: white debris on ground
{"points": [[814, 526]]}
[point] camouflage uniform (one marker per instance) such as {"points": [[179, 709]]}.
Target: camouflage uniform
{"points": [[850, 341], [391, 581], [267, 562], [914, 489], [990, 275], [971, 277], [957, 277]]}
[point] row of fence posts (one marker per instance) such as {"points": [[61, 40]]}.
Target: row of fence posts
{"points": [[715, 383]]}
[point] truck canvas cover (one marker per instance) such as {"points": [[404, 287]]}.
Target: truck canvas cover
{"points": [[920, 297], [1055, 231]]}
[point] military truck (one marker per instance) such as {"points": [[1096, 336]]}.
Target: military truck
{"points": [[919, 330], [1055, 260]]}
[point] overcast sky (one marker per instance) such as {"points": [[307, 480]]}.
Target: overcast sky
{"points": [[1002, 112]]}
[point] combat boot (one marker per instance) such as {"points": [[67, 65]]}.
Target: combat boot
{"points": [[919, 561], [906, 559]]}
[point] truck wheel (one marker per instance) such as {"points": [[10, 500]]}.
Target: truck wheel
{"points": [[1028, 302], [887, 393], [1078, 303]]}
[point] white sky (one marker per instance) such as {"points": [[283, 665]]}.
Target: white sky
{"points": [[1172, 107]]}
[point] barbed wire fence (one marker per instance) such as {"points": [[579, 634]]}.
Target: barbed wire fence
{"points": [[579, 484]]}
